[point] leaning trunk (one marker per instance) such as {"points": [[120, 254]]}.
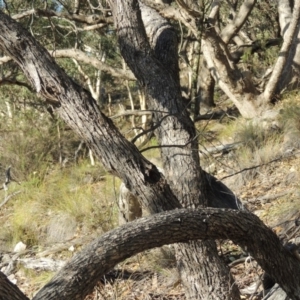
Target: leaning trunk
{"points": [[290, 77], [238, 87]]}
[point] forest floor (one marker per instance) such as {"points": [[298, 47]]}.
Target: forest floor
{"points": [[269, 188]]}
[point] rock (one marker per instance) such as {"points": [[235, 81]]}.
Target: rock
{"points": [[20, 247], [61, 228]]}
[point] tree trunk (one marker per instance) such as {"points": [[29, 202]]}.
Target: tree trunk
{"points": [[245, 229], [236, 24], [206, 88], [9, 291], [290, 76], [235, 85], [198, 262], [76, 106], [290, 35]]}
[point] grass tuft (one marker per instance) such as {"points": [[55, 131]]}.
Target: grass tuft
{"points": [[81, 193]]}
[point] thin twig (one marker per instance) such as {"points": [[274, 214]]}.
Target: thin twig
{"points": [[8, 197]]}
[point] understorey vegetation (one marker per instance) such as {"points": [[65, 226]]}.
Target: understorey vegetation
{"points": [[185, 113]]}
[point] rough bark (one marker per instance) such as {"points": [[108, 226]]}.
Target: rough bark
{"points": [[198, 262], [129, 206], [81, 274], [77, 108], [236, 84], [9, 291]]}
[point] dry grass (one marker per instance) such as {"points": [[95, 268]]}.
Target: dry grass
{"points": [[64, 191]]}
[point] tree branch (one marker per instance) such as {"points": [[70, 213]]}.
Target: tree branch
{"points": [[245, 229], [80, 275], [8, 81], [233, 27], [86, 19], [83, 57], [8, 290], [174, 13]]}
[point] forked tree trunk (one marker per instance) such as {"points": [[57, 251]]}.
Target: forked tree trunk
{"points": [[239, 88], [76, 106], [203, 273]]}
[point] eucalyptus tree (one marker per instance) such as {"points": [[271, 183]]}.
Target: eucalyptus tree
{"points": [[148, 43]]}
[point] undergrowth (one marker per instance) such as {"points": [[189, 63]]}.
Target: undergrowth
{"points": [[83, 193]]}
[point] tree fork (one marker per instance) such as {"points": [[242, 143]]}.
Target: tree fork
{"points": [[198, 262]]}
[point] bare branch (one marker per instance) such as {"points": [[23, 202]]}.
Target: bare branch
{"points": [[7, 81], [191, 12], [233, 27], [175, 13], [215, 7], [9, 197], [83, 57], [132, 112], [245, 229], [85, 19]]}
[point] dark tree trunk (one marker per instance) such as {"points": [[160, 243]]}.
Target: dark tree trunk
{"points": [[198, 262], [9, 291], [75, 105], [179, 152]]}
